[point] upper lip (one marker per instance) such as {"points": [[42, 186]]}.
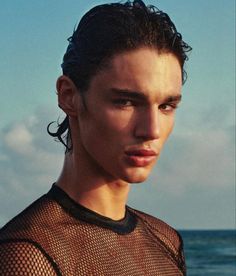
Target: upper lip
{"points": [[141, 152]]}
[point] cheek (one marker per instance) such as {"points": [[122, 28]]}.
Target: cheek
{"points": [[102, 135], [119, 120], [114, 126], [167, 127]]}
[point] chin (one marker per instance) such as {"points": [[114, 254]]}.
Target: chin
{"points": [[138, 181], [136, 177]]}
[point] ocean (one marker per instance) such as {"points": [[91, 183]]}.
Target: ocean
{"points": [[210, 252]]}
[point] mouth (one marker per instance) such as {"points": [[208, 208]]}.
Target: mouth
{"points": [[140, 157]]}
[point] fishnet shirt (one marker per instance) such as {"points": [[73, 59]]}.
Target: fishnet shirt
{"points": [[57, 236]]}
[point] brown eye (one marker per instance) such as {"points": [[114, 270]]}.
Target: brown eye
{"points": [[168, 107], [123, 102]]}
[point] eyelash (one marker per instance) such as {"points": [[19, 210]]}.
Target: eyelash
{"points": [[123, 102], [171, 106]]}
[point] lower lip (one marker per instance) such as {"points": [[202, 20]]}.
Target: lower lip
{"points": [[140, 161]]}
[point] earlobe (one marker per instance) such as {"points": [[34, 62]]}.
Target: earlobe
{"points": [[66, 92]]}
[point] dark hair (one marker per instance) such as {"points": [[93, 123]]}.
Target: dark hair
{"points": [[109, 29]]}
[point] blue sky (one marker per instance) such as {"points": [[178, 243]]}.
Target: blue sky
{"points": [[192, 185]]}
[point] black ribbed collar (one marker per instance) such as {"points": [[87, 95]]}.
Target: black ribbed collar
{"points": [[123, 226]]}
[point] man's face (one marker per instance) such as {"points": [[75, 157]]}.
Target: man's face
{"points": [[129, 114]]}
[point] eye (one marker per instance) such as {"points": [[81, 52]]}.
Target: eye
{"points": [[168, 107], [123, 102]]}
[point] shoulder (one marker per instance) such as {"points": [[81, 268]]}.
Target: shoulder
{"points": [[159, 229], [29, 221], [26, 241], [24, 257]]}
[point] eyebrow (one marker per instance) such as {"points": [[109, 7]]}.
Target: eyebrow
{"points": [[129, 93], [175, 98], [141, 96]]}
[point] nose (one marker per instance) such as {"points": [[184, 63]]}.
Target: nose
{"points": [[148, 124]]}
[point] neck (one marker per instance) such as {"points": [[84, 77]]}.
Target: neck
{"points": [[92, 189]]}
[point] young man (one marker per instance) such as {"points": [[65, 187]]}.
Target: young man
{"points": [[121, 83]]}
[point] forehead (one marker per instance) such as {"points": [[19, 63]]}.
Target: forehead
{"points": [[146, 70]]}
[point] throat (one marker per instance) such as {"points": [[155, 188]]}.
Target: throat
{"points": [[108, 200], [95, 192]]}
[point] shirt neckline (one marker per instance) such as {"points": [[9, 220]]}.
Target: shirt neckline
{"points": [[76, 210]]}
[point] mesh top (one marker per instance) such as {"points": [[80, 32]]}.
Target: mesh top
{"points": [[57, 236]]}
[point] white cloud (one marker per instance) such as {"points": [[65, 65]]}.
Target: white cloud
{"points": [[198, 157], [19, 139], [195, 159], [30, 162]]}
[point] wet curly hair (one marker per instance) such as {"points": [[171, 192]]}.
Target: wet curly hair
{"points": [[110, 29]]}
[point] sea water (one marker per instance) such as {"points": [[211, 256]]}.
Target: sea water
{"points": [[210, 252]]}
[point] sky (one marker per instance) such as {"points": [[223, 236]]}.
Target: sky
{"points": [[193, 183]]}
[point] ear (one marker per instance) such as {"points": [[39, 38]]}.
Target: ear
{"points": [[67, 92]]}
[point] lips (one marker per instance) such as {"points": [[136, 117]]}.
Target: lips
{"points": [[140, 157]]}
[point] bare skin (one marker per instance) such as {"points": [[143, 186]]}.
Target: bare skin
{"points": [[117, 138]]}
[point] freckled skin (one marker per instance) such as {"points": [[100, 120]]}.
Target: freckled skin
{"points": [[106, 129]]}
